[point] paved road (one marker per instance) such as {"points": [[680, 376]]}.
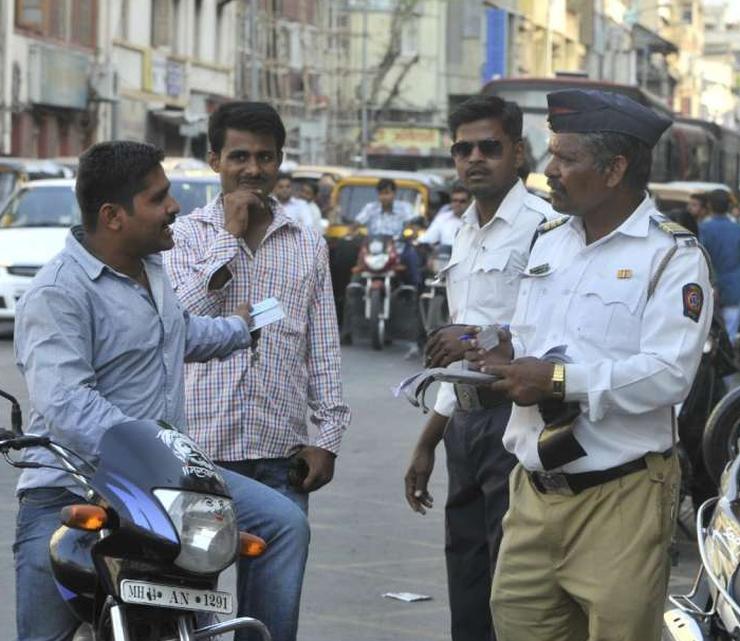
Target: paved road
{"points": [[366, 541]]}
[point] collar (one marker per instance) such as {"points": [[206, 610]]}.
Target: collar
{"points": [[507, 210], [92, 265], [636, 225], [213, 213]]}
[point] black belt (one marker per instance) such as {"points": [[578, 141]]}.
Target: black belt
{"points": [[561, 483], [478, 397]]}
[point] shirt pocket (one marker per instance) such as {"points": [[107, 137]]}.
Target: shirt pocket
{"points": [[607, 311], [496, 277]]}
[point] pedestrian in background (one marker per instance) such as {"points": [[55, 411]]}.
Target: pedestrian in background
{"points": [[309, 193], [489, 253], [295, 208], [698, 206], [626, 295], [720, 235]]}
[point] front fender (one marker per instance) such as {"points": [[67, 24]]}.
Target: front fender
{"points": [[680, 626]]}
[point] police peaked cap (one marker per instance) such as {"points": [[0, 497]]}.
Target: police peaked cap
{"points": [[586, 111]]}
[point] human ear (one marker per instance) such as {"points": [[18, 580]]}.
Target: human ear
{"points": [[614, 174], [109, 216]]}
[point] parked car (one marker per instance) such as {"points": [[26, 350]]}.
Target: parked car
{"points": [[17, 171], [34, 223], [194, 190]]}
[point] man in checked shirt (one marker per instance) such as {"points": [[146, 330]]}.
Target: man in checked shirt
{"points": [[249, 414]]}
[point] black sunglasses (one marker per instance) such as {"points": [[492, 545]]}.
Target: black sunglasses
{"points": [[489, 147]]}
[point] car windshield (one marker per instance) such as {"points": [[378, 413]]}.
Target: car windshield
{"points": [[41, 207], [352, 198], [7, 184], [193, 194]]}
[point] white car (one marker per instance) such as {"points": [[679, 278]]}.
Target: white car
{"points": [[34, 223]]}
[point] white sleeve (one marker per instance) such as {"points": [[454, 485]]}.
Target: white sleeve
{"points": [[671, 344], [446, 400]]}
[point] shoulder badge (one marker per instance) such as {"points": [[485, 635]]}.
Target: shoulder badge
{"points": [[552, 224], [668, 226]]}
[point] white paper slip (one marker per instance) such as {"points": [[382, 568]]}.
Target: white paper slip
{"points": [[266, 312], [408, 597]]}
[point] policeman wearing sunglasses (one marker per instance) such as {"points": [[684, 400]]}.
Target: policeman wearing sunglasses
{"points": [[483, 276]]}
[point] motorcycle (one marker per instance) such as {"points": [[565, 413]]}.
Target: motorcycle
{"points": [[433, 298], [377, 289], [711, 609], [138, 559]]}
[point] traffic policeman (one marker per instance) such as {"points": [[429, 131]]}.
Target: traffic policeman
{"points": [[623, 296], [482, 278]]}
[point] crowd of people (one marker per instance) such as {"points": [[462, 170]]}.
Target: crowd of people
{"points": [[562, 474]]}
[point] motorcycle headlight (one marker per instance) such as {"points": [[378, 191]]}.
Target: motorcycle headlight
{"points": [[206, 526], [375, 246], [376, 262]]}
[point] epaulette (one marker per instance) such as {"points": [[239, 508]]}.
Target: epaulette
{"points": [[679, 232], [552, 224]]}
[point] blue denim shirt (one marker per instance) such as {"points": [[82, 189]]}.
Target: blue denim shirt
{"points": [[97, 350], [721, 238]]}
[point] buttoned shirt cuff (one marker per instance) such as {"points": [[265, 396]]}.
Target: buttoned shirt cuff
{"points": [[330, 438], [517, 348], [223, 250], [240, 326], [576, 382], [446, 400]]}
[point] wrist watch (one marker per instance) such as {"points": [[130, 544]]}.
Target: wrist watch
{"points": [[558, 381]]}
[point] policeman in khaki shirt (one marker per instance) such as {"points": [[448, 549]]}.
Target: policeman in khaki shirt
{"points": [[489, 254], [593, 500]]}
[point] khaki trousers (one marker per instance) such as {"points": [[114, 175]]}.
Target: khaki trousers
{"points": [[593, 566]]}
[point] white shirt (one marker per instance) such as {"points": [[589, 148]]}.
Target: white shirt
{"points": [[633, 358], [443, 230], [315, 212], [486, 265], [298, 211]]}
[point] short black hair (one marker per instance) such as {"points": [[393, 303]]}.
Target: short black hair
{"points": [[255, 117], [386, 183], [113, 172], [283, 176], [701, 197], [719, 201], [459, 189], [605, 146], [314, 187], [481, 107]]}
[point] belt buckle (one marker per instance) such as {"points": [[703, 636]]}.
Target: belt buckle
{"points": [[554, 483], [467, 397]]}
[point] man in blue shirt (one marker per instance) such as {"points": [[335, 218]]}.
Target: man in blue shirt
{"points": [[101, 340], [720, 235]]}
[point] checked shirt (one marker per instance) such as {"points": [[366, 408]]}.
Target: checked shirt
{"points": [[238, 409]]}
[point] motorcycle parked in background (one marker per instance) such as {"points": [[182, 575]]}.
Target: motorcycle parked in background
{"points": [[433, 298], [711, 610], [138, 559]]}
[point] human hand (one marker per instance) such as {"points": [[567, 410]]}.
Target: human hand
{"points": [[320, 464], [526, 381], [417, 478], [237, 207], [245, 311], [445, 347], [478, 359]]}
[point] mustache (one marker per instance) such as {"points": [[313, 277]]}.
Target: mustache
{"points": [[554, 185]]}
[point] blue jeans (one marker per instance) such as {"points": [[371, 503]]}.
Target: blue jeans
{"points": [[268, 587], [273, 472]]}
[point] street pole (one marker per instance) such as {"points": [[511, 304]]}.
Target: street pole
{"points": [[364, 86], [255, 79]]}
